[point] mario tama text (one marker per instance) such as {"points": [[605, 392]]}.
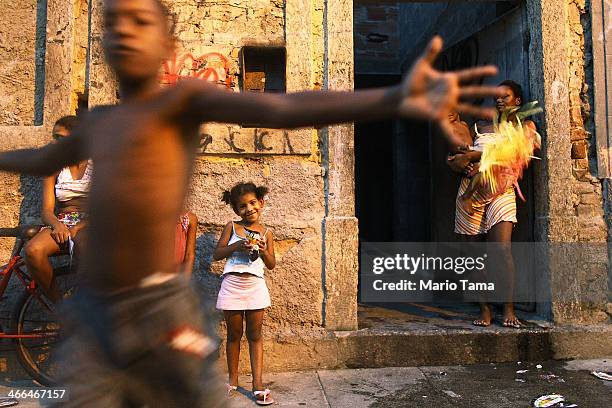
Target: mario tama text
{"points": [[445, 272], [433, 286]]}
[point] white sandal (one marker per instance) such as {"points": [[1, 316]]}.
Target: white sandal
{"points": [[229, 388], [266, 399]]}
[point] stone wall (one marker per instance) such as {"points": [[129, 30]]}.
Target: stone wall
{"points": [[17, 61], [292, 164], [586, 187], [377, 38]]}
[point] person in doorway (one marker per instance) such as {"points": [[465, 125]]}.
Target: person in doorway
{"points": [[491, 217]]}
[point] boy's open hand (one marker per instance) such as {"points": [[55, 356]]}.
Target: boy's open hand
{"points": [[430, 94]]}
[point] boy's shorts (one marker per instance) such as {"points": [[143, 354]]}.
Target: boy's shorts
{"points": [[143, 347]]}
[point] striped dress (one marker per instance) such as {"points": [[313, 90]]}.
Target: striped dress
{"points": [[487, 211]]}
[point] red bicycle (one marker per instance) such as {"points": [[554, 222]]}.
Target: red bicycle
{"points": [[33, 325]]}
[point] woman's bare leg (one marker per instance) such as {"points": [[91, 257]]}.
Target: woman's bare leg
{"points": [[233, 320], [37, 253], [486, 316], [501, 234]]}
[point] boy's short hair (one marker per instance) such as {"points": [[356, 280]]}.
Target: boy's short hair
{"points": [[517, 90], [170, 17], [67, 122]]}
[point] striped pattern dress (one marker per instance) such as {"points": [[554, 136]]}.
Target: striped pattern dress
{"points": [[487, 211]]}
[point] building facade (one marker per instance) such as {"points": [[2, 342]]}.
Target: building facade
{"points": [[52, 64]]}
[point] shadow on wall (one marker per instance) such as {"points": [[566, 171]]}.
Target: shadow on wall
{"points": [[206, 274], [30, 189]]}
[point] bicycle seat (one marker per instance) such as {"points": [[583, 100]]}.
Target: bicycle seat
{"points": [[24, 232]]}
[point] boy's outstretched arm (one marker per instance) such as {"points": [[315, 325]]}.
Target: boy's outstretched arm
{"points": [[45, 160], [425, 93]]}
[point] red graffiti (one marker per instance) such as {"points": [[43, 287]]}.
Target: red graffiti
{"points": [[213, 67]]}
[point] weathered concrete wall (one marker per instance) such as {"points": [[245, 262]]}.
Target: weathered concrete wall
{"points": [[210, 36], [568, 205], [454, 21], [17, 61], [377, 38]]}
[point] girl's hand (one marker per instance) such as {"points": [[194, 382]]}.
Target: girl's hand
{"points": [[242, 245], [262, 244], [60, 233]]}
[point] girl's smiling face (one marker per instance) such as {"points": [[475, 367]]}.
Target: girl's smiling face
{"points": [[249, 207]]}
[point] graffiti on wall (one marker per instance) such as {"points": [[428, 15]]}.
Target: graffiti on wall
{"points": [[249, 140], [212, 66], [215, 67]]}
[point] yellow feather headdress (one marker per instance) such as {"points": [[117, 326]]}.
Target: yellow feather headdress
{"points": [[511, 146]]}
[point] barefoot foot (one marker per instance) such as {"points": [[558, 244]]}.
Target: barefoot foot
{"points": [[510, 319], [485, 316]]}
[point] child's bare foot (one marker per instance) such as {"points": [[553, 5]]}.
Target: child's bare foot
{"points": [[467, 204], [510, 319], [485, 316]]}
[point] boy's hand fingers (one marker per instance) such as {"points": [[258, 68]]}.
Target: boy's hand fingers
{"points": [[487, 113], [433, 49], [469, 74], [467, 92]]}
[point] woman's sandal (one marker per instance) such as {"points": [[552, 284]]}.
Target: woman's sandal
{"points": [[267, 400], [229, 388]]}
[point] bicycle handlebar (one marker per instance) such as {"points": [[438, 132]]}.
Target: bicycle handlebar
{"points": [[21, 231], [9, 232]]}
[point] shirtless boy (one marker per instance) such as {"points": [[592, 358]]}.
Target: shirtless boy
{"points": [[136, 335]]}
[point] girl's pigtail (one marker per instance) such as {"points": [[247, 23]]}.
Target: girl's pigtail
{"points": [[226, 197], [261, 192]]}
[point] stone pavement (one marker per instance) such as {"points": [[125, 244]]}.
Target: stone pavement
{"points": [[473, 386]]}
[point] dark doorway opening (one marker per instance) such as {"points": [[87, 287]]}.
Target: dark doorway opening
{"points": [[405, 192]]}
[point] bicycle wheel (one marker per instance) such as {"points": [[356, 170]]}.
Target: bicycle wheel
{"points": [[35, 318]]}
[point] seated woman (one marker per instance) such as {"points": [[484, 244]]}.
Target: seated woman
{"points": [[67, 191]]}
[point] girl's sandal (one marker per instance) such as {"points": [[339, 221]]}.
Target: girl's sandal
{"points": [[230, 388], [266, 400]]}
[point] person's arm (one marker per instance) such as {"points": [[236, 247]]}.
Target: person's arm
{"points": [[45, 160], [267, 252], [190, 246], [223, 250], [459, 163], [59, 232], [425, 93]]}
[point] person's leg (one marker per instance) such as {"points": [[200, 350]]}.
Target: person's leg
{"points": [[486, 316], [234, 323], [501, 235], [80, 243], [37, 253], [254, 321]]}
